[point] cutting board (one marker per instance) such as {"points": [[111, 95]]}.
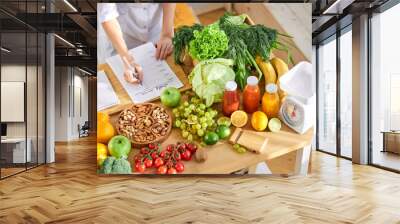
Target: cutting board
{"points": [[251, 140]]}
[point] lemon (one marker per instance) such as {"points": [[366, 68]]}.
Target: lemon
{"points": [[239, 118], [259, 121], [274, 125], [101, 153]]}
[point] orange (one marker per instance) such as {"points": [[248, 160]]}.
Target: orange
{"points": [[101, 153], [239, 118], [105, 131], [259, 121], [102, 117]]}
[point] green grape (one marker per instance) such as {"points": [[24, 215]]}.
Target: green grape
{"points": [[198, 126], [183, 125], [204, 125], [185, 104], [202, 106], [178, 123], [241, 150], [190, 137], [200, 132], [207, 114], [201, 113], [236, 146], [194, 118], [175, 111], [185, 134]]}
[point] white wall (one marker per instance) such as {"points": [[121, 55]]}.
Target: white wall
{"points": [[70, 83], [200, 8]]}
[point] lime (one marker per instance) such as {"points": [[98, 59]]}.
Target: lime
{"points": [[223, 131], [210, 138], [224, 121], [274, 125]]}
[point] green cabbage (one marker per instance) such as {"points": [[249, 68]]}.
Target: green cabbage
{"points": [[211, 42], [209, 77]]}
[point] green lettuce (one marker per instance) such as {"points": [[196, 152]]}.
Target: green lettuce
{"points": [[211, 42], [209, 77]]}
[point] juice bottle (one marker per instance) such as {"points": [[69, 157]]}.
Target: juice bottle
{"points": [[230, 101], [251, 95], [270, 101]]}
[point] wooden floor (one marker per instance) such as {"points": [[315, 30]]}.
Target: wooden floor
{"points": [[69, 191]]}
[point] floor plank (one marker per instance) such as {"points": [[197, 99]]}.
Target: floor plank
{"points": [[69, 191]]}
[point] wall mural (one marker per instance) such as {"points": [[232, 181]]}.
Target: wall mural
{"points": [[176, 96]]}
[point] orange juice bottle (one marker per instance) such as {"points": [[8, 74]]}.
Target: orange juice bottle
{"points": [[270, 101]]}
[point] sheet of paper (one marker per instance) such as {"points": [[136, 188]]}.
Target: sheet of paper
{"points": [[106, 96], [156, 74]]}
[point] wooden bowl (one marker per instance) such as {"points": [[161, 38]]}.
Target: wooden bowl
{"points": [[144, 123]]}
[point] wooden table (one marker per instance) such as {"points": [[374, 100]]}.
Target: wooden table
{"points": [[222, 159]]}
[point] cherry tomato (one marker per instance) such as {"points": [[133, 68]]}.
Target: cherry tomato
{"points": [[182, 147], [177, 156], [179, 167], [170, 148], [144, 150], [138, 158], [169, 163], [148, 163], [162, 170], [162, 154], [154, 155], [152, 146], [140, 167], [186, 155], [171, 170], [158, 162], [192, 147]]}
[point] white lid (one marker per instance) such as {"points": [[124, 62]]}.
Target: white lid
{"points": [[271, 88], [252, 81], [231, 86]]}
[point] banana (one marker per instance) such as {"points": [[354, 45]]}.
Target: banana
{"points": [[281, 69], [267, 69]]}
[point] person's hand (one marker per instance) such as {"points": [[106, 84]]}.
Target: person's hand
{"points": [[163, 47], [130, 75]]}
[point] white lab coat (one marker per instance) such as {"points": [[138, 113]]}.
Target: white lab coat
{"points": [[140, 23]]}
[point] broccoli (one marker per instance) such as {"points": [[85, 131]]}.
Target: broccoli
{"points": [[111, 165], [121, 166]]}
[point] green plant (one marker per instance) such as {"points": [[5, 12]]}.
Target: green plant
{"points": [[183, 36]]}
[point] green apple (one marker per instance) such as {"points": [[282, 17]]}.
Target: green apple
{"points": [[119, 146], [170, 97]]}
